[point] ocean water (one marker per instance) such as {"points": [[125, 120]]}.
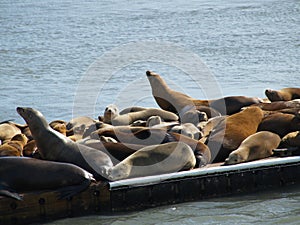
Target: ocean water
{"points": [[70, 58]]}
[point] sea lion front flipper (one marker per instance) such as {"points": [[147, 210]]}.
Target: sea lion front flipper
{"points": [[9, 192], [70, 191]]}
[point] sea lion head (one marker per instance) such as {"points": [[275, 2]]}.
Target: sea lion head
{"points": [[33, 118], [153, 120], [234, 158], [119, 172], [110, 112], [273, 95]]}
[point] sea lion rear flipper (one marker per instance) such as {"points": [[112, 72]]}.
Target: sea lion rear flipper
{"points": [[70, 191], [8, 192]]}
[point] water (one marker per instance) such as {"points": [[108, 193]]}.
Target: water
{"points": [[47, 48]]}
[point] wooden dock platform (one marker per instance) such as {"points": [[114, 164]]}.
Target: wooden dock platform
{"points": [[140, 193]]}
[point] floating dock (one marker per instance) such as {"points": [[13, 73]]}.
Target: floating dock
{"points": [[107, 198]]}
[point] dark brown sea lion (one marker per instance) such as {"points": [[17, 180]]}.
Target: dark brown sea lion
{"points": [[280, 123], [284, 94], [291, 140], [228, 132], [175, 101], [22, 174], [52, 145], [278, 105], [257, 146]]}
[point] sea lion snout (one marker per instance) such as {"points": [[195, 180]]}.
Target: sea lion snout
{"points": [[20, 110]]}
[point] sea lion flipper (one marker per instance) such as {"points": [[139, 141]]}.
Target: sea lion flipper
{"points": [[70, 191], [8, 192]]}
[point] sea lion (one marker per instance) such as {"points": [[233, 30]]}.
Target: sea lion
{"points": [[60, 126], [284, 94], [187, 129], [132, 109], [291, 140], [111, 111], [280, 123], [153, 136], [129, 118], [78, 123], [155, 160], [193, 116], [15, 146], [54, 146], [257, 146], [175, 101], [157, 122], [278, 105], [29, 148], [229, 132], [117, 151], [7, 131], [23, 174]]}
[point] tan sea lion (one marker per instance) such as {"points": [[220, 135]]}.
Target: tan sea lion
{"points": [[284, 94], [54, 146], [111, 111], [280, 123], [187, 129], [229, 132], [155, 160], [157, 122], [14, 147], [256, 146], [132, 109], [175, 101], [7, 131], [193, 116], [129, 118], [152, 136], [22, 174]]}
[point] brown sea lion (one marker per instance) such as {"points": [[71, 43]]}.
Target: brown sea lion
{"points": [[228, 132], [278, 105], [284, 94], [29, 148], [175, 101], [54, 146], [116, 151], [280, 123], [60, 126], [22, 174], [257, 146], [14, 147], [155, 160]]}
